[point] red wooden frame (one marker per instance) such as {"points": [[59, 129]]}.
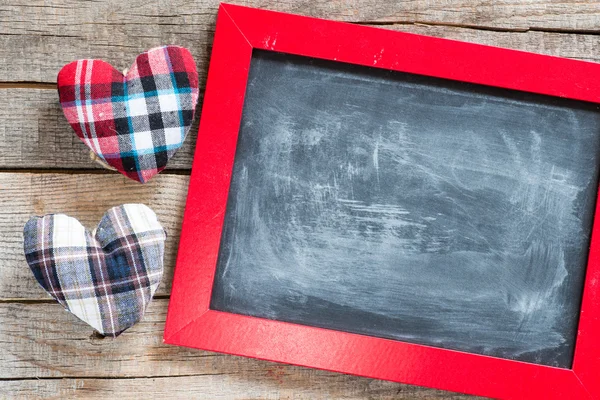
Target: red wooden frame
{"points": [[191, 323]]}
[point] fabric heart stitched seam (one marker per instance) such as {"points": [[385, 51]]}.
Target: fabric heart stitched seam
{"points": [[134, 122], [108, 279]]}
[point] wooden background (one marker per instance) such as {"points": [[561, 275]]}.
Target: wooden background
{"points": [[47, 353]]}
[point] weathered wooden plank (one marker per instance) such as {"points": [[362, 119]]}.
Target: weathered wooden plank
{"points": [[86, 197], [38, 37], [272, 383], [35, 134], [580, 46], [67, 18], [43, 341]]}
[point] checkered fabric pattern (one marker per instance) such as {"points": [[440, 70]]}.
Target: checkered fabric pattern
{"points": [[135, 123], [107, 279]]}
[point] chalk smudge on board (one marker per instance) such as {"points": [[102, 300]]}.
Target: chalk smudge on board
{"points": [[410, 208]]}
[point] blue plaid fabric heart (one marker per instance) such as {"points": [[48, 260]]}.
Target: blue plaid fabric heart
{"points": [[107, 279]]}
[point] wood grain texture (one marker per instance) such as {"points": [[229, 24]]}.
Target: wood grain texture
{"points": [[581, 46], [85, 197], [38, 37], [38, 135], [43, 341], [267, 383]]}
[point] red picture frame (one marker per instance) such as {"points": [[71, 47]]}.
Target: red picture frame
{"points": [[190, 321]]}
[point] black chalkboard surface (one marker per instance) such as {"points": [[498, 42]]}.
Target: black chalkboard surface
{"points": [[411, 208]]}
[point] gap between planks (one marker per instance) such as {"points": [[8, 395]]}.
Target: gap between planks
{"points": [[27, 85], [17, 300], [52, 85], [129, 377], [481, 27], [83, 171]]}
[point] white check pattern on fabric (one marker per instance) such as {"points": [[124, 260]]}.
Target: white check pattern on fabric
{"points": [[106, 279], [124, 118]]}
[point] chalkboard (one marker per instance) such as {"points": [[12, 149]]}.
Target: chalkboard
{"points": [[411, 208]]}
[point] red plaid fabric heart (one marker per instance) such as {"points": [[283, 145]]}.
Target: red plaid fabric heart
{"points": [[134, 122]]}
